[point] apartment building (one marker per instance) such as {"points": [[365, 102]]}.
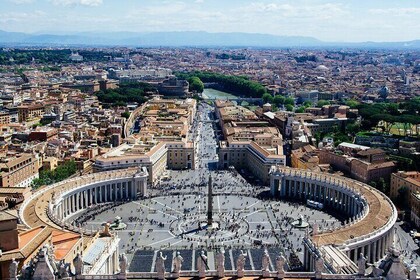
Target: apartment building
{"points": [[415, 208], [153, 157], [363, 165], [30, 112], [18, 171], [249, 143], [305, 158], [409, 179], [162, 142]]}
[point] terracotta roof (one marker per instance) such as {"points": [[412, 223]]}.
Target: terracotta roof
{"points": [[63, 242], [370, 152], [381, 165], [29, 241]]}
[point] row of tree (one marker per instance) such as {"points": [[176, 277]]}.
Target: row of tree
{"points": [[19, 56], [48, 177], [239, 85], [230, 56], [196, 85], [389, 114], [126, 93]]}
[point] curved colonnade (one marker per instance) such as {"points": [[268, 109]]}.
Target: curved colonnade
{"points": [[369, 230], [56, 203], [371, 214]]}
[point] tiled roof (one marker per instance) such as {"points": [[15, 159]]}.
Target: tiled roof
{"points": [[29, 241]]}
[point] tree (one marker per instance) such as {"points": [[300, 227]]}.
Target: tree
{"points": [[412, 106], [392, 109], [289, 101], [323, 103], [132, 92], [352, 128], [47, 177], [300, 110], [382, 186], [289, 107], [267, 98], [125, 114], [373, 184], [234, 84], [196, 85], [352, 103], [307, 104], [279, 100]]}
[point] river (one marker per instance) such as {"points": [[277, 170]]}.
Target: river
{"points": [[210, 93]]}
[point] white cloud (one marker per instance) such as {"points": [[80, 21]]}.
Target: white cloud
{"points": [[320, 11], [19, 2], [91, 3], [173, 8], [396, 11], [21, 16]]}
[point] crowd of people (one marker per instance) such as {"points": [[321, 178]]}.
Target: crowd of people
{"points": [[242, 216]]}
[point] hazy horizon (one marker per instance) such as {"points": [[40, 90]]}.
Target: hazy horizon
{"points": [[63, 33], [330, 21]]}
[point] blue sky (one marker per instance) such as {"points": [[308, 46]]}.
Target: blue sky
{"points": [[329, 20]]}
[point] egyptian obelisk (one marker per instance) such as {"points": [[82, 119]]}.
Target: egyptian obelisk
{"points": [[210, 204]]}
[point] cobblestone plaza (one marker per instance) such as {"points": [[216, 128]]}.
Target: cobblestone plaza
{"points": [[174, 221]]}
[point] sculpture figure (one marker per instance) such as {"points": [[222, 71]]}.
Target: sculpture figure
{"points": [[78, 264], [63, 269], [178, 259], [319, 267], [376, 271], [412, 275], [28, 272], [280, 261], [265, 261], [240, 264], [43, 268], [315, 229], [13, 269], [106, 232], [160, 266], [123, 263], [361, 264], [220, 263], [202, 265]]}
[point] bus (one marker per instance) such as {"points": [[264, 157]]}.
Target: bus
{"points": [[314, 204]]}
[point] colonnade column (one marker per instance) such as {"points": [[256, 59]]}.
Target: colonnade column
{"points": [[77, 202], [126, 190], [105, 193], [65, 206], [369, 252], [374, 251], [378, 249], [390, 238]]}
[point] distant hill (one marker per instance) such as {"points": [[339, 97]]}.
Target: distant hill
{"points": [[186, 39]]}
